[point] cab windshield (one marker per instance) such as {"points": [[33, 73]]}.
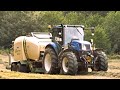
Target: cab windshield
{"points": [[73, 33]]}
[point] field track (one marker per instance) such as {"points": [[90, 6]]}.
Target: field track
{"points": [[112, 73]]}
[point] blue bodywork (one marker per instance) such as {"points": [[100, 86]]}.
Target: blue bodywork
{"points": [[76, 45], [80, 45], [55, 47]]}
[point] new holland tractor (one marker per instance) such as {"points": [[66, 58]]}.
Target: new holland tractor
{"points": [[70, 54], [61, 51]]}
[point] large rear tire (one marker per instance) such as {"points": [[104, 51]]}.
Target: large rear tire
{"points": [[100, 63], [69, 64], [50, 62]]}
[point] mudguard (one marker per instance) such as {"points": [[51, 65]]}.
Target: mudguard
{"points": [[56, 47]]}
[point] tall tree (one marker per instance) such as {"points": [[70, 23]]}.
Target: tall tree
{"points": [[112, 26]]}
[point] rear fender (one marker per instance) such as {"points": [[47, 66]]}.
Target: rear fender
{"points": [[55, 47]]}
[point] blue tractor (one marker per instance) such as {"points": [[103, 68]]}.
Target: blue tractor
{"points": [[69, 54]]}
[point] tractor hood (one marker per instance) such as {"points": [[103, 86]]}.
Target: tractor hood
{"points": [[81, 45]]}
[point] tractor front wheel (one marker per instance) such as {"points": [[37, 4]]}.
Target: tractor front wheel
{"points": [[100, 62], [69, 64], [82, 68]]}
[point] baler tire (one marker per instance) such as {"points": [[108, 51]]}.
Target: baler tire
{"points": [[13, 67], [21, 68]]}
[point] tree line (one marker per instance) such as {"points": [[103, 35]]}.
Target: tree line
{"points": [[106, 23]]}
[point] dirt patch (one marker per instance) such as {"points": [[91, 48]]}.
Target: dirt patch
{"points": [[112, 73]]}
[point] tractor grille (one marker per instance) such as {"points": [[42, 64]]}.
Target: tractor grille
{"points": [[87, 46]]}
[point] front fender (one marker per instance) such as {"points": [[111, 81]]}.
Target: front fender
{"points": [[65, 50]]}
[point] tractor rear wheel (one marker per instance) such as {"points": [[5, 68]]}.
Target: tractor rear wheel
{"points": [[50, 62], [100, 63], [69, 64]]}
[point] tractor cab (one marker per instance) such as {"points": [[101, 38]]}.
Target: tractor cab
{"points": [[72, 35]]}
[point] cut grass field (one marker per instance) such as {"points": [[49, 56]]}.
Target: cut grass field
{"points": [[112, 73]]}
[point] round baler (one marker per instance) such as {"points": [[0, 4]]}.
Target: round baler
{"points": [[28, 52]]}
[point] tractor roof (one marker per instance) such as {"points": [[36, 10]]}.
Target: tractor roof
{"points": [[57, 26]]}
